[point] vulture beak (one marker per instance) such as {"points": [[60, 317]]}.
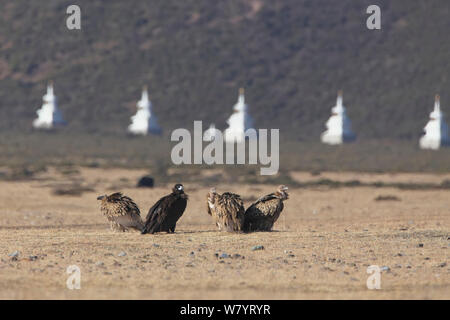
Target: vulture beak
{"points": [[101, 197]]}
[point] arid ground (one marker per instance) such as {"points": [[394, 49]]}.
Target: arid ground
{"points": [[320, 248]]}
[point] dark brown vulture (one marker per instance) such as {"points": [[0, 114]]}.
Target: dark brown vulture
{"points": [[263, 213], [164, 214], [121, 212], [227, 210]]}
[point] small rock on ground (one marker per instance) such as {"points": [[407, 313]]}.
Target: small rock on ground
{"points": [[255, 248]]}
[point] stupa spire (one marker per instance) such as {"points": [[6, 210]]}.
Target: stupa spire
{"points": [[242, 95], [437, 103], [339, 103], [240, 105]]}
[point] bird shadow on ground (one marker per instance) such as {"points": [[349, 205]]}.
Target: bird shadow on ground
{"points": [[43, 227], [224, 232], [184, 232]]}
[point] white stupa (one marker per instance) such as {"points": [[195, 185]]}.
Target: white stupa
{"points": [[144, 122], [436, 130], [339, 129], [239, 121], [49, 115], [211, 133]]}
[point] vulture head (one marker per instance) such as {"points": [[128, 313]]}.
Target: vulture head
{"points": [[211, 195], [282, 191], [210, 199], [111, 198], [178, 188]]}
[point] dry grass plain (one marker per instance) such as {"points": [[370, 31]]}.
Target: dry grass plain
{"points": [[320, 248]]}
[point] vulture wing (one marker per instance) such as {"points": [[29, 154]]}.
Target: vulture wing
{"points": [[164, 214], [156, 216], [263, 213], [122, 212]]}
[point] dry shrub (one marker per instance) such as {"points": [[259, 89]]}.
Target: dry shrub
{"points": [[71, 190], [387, 198]]}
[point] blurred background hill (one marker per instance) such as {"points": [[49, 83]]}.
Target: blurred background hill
{"points": [[292, 56]]}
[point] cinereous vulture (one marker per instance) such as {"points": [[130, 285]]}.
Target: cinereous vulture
{"points": [[164, 214]]}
